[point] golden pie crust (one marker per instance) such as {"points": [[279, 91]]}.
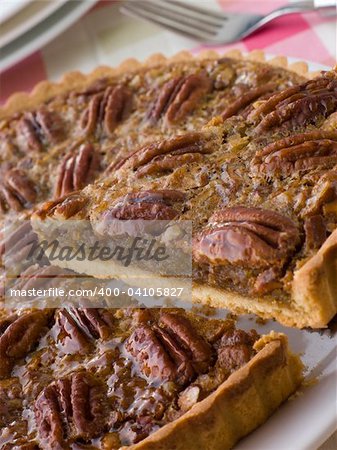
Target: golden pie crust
{"points": [[46, 90], [238, 406]]}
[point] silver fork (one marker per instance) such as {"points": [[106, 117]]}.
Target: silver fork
{"points": [[209, 26]]}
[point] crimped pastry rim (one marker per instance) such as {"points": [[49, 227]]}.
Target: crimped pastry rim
{"points": [[45, 90], [273, 359]]}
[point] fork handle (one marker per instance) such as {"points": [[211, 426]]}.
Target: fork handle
{"points": [[297, 7], [307, 5]]}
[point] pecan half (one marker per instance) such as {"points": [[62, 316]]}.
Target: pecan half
{"points": [[39, 277], [17, 239], [64, 207], [148, 205], [19, 338], [181, 329], [133, 209], [167, 155], [146, 348], [96, 323], [247, 98], [172, 351], [107, 110], [75, 329], [179, 97], [40, 128], [71, 408], [77, 169], [236, 348], [305, 151], [17, 191], [298, 105], [249, 237], [184, 371], [69, 335]]}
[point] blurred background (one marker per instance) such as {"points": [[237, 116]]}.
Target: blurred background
{"points": [[46, 38]]}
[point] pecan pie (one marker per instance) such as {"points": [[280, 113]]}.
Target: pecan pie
{"points": [[138, 379], [259, 183], [66, 136]]}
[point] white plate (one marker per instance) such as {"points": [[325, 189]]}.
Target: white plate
{"points": [[8, 8], [26, 19], [43, 33], [306, 421]]}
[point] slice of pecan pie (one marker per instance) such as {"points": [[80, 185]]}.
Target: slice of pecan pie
{"points": [[260, 188], [136, 379]]}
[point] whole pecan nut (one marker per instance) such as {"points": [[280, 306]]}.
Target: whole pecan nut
{"points": [[107, 110], [17, 191], [298, 105], [252, 237], [302, 152], [180, 96], [167, 155], [71, 408], [38, 129], [77, 169], [19, 337]]}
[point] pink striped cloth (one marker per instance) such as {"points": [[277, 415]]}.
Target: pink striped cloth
{"points": [[307, 37]]}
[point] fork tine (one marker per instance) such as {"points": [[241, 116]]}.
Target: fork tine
{"points": [[199, 15], [138, 10], [199, 12], [139, 14], [161, 9]]}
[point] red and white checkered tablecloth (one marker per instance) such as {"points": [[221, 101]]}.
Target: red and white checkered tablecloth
{"points": [[103, 36]]}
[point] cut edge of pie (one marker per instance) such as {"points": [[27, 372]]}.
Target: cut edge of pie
{"points": [[46, 90], [314, 293], [238, 406]]}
